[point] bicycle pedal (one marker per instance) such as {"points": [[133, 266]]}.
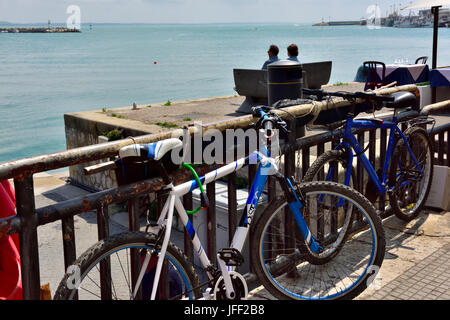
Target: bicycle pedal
{"points": [[232, 257]]}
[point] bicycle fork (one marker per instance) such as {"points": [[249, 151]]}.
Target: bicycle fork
{"points": [[168, 210], [296, 203]]}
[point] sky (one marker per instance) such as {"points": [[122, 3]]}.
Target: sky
{"points": [[191, 11]]}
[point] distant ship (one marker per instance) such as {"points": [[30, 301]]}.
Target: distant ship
{"points": [[425, 19]]}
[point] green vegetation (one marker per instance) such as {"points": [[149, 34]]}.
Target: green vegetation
{"points": [[340, 84], [187, 119], [104, 110], [168, 103], [117, 116], [113, 135], [166, 124], [149, 106]]}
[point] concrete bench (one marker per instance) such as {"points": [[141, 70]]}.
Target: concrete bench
{"points": [[253, 83]]}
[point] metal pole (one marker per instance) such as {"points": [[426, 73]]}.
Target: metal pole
{"points": [[105, 265], [435, 11], [28, 240]]}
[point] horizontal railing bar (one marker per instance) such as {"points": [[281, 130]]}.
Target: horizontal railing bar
{"points": [[440, 107], [123, 193], [438, 129], [309, 141], [93, 201], [25, 167], [12, 225], [28, 166]]}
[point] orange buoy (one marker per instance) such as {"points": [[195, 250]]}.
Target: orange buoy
{"points": [[10, 269], [9, 189]]}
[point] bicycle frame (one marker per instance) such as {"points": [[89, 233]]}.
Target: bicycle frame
{"points": [[350, 143], [266, 166]]}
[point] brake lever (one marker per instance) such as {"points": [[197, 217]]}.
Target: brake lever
{"points": [[283, 126], [256, 110]]}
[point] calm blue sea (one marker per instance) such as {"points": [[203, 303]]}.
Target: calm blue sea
{"points": [[44, 76]]}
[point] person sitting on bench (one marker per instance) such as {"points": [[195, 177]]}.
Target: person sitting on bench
{"points": [[292, 51], [273, 56]]}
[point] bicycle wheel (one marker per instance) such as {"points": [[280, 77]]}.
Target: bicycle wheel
{"points": [[281, 263], [115, 255], [330, 166], [411, 187]]}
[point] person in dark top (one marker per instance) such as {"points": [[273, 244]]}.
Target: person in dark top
{"points": [[273, 56]]}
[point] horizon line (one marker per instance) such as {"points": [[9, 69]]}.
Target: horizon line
{"points": [[171, 23]]}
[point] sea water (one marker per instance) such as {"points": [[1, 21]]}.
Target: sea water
{"points": [[44, 76]]}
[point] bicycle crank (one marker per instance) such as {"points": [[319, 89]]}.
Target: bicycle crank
{"points": [[239, 286]]}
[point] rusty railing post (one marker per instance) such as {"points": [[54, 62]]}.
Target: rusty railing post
{"points": [[68, 231], [105, 265], [135, 263], [28, 240]]}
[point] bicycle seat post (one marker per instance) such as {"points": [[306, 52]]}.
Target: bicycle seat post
{"points": [[163, 173]]}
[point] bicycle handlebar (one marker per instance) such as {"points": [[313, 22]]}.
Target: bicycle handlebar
{"points": [[268, 120], [349, 95]]}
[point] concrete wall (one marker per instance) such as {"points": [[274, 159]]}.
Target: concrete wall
{"points": [[83, 129]]}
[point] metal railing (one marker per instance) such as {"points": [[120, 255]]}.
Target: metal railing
{"points": [[28, 218]]}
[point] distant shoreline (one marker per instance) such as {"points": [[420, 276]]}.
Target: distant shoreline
{"points": [[341, 23], [38, 30], [87, 23]]}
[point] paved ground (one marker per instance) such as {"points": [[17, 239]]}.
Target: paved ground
{"points": [[416, 263], [427, 280], [417, 260]]}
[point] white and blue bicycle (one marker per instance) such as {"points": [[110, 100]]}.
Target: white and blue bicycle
{"points": [[306, 244]]}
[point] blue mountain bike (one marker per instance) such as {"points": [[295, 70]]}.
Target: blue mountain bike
{"points": [[297, 246], [408, 166]]}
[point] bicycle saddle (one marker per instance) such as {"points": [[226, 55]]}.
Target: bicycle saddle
{"points": [[402, 100], [152, 151]]}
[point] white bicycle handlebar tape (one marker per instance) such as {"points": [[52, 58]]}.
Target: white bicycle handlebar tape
{"points": [[154, 151]]}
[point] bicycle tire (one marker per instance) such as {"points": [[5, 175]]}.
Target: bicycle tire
{"points": [[107, 249], [402, 198], [314, 171], [282, 271]]}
